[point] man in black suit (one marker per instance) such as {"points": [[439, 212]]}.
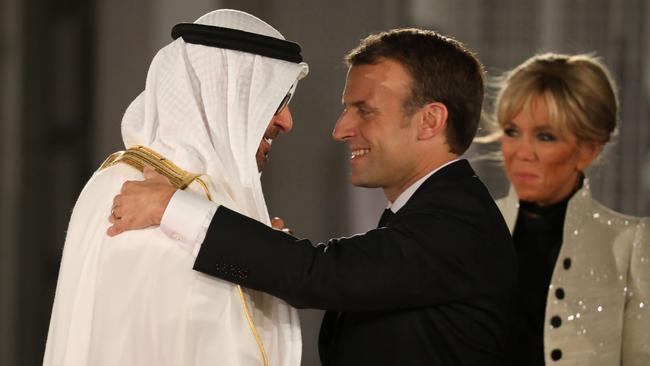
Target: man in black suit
{"points": [[433, 285]]}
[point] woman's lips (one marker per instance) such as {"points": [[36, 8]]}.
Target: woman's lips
{"points": [[524, 176]]}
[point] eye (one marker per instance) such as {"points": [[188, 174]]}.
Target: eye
{"points": [[363, 113], [546, 137], [510, 132]]}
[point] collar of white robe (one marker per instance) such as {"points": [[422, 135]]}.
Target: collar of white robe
{"points": [[234, 39]]}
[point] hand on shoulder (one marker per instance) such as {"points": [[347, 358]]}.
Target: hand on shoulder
{"points": [[140, 204]]}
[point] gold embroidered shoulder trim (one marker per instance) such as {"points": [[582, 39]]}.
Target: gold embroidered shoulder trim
{"points": [[138, 156]]}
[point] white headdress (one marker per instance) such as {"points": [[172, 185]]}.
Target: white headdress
{"points": [[206, 109]]}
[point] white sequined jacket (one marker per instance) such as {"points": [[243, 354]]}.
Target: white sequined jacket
{"points": [[598, 304]]}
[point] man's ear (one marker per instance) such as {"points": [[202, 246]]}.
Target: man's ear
{"points": [[588, 152], [433, 120]]}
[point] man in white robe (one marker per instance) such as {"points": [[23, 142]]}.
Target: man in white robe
{"points": [[204, 113]]}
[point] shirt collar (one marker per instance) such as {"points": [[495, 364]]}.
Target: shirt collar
{"points": [[401, 200]]}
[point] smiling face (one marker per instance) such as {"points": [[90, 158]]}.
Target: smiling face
{"points": [[542, 162], [381, 138], [281, 122]]}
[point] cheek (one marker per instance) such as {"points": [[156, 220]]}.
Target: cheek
{"points": [[507, 151], [398, 145], [559, 163], [379, 139], [560, 156], [555, 155]]}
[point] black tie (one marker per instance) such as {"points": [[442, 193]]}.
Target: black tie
{"points": [[385, 217]]}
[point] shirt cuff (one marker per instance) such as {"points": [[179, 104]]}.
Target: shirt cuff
{"points": [[187, 219]]}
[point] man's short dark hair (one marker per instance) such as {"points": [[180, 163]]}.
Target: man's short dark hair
{"points": [[442, 70]]}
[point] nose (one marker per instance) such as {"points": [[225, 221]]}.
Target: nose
{"points": [[283, 120], [525, 149], [344, 127]]}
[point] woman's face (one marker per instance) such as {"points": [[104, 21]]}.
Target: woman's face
{"points": [[541, 162]]}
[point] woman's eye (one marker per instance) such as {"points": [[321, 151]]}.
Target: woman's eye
{"points": [[546, 137], [510, 132]]}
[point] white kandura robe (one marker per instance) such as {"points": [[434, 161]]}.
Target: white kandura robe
{"points": [[134, 299]]}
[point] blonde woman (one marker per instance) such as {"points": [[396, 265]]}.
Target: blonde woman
{"points": [[584, 281]]}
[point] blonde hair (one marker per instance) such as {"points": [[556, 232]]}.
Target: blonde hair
{"points": [[578, 90]]}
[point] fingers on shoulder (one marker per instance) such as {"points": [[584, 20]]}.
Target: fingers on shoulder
{"points": [[117, 200], [114, 230], [277, 223], [128, 186], [148, 172]]}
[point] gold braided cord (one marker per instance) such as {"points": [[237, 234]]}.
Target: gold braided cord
{"points": [[140, 156], [251, 324], [204, 186]]}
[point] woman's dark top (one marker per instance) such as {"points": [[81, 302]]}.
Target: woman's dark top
{"points": [[538, 238]]}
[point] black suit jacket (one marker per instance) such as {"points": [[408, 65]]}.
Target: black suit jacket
{"points": [[433, 287]]}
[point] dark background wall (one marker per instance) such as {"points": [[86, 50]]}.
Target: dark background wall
{"points": [[68, 69]]}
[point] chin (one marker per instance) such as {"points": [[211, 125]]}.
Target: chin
{"points": [[356, 181], [361, 182], [527, 194]]}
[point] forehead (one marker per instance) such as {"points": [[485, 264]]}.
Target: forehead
{"points": [[387, 78], [533, 113], [536, 112]]}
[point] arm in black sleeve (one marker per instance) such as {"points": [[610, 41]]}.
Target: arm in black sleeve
{"points": [[419, 260]]}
